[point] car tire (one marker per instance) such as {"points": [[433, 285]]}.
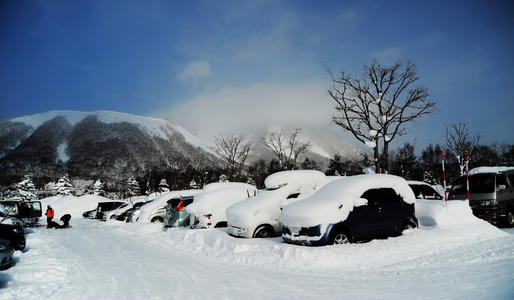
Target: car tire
{"points": [[407, 226], [263, 232], [340, 238], [157, 220], [510, 219], [113, 217]]}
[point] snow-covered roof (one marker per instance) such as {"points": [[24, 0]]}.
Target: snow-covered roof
{"points": [[226, 185], [221, 198], [280, 178], [493, 170]]}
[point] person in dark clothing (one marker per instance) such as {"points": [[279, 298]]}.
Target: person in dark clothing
{"points": [[53, 224], [65, 221], [49, 215]]}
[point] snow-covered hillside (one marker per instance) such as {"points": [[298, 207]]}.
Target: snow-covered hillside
{"points": [[153, 126]]}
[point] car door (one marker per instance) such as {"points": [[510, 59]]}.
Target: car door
{"points": [[390, 211], [363, 220], [503, 190]]}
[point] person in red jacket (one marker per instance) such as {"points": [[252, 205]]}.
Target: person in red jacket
{"points": [[49, 215]]}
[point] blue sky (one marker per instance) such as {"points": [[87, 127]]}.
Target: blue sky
{"points": [[164, 58]]}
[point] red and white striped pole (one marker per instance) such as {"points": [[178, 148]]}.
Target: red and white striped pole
{"points": [[467, 174], [444, 176]]}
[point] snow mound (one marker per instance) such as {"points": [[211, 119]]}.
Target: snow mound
{"points": [[72, 205], [278, 179], [274, 253], [437, 212]]}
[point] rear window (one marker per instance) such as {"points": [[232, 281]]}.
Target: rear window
{"points": [[483, 183]]}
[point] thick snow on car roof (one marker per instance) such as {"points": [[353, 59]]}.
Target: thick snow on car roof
{"points": [[334, 202], [221, 198], [284, 177], [225, 185], [493, 170]]}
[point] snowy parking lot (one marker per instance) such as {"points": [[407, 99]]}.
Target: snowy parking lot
{"points": [[106, 260]]}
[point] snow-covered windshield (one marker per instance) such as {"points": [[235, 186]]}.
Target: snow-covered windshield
{"points": [[483, 183]]}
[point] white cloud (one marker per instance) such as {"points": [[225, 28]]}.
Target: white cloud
{"points": [[388, 54], [196, 69], [249, 108]]}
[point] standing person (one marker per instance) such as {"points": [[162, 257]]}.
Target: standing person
{"points": [[49, 215]]}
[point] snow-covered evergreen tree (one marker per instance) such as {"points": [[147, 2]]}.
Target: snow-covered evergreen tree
{"points": [[25, 189], [193, 184], [63, 186], [98, 188], [133, 187], [250, 181], [223, 178], [163, 186]]}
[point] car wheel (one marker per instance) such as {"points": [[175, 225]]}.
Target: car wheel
{"points": [[157, 220], [340, 239], [510, 219], [113, 217], [408, 226], [263, 232]]}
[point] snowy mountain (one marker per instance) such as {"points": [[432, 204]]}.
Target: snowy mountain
{"points": [[325, 143], [101, 144]]}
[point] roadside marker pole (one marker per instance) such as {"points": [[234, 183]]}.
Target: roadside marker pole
{"points": [[467, 174], [444, 177]]}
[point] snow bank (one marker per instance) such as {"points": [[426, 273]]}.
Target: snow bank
{"points": [[494, 170], [274, 253], [147, 210], [437, 212], [72, 205], [334, 202], [215, 186]]}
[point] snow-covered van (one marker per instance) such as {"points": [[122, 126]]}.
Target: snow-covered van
{"points": [[259, 216], [491, 193], [155, 211], [354, 208], [208, 209]]}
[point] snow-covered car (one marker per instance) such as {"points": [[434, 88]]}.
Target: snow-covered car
{"points": [[12, 230], [106, 206], [28, 212], [259, 215], [91, 214], [208, 209], [491, 193], [176, 215], [155, 211], [121, 213], [351, 209], [6, 254]]}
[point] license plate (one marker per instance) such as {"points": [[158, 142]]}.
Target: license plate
{"points": [[295, 230]]}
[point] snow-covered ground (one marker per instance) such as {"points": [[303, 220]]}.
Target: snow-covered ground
{"points": [[107, 260]]}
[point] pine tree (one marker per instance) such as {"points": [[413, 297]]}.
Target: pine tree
{"points": [[250, 181], [63, 187], [163, 186], [25, 189], [133, 187], [223, 178], [98, 188], [193, 184]]}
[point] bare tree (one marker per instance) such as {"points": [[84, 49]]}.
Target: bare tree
{"points": [[459, 140], [287, 148], [234, 150], [379, 104]]}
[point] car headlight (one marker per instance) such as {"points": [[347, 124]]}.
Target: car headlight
{"points": [[17, 230]]}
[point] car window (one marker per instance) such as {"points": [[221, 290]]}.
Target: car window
{"points": [[430, 193], [292, 196], [416, 188], [372, 196], [482, 183], [501, 180], [388, 196]]}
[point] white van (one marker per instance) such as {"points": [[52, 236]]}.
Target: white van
{"points": [[208, 209], [259, 216]]}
